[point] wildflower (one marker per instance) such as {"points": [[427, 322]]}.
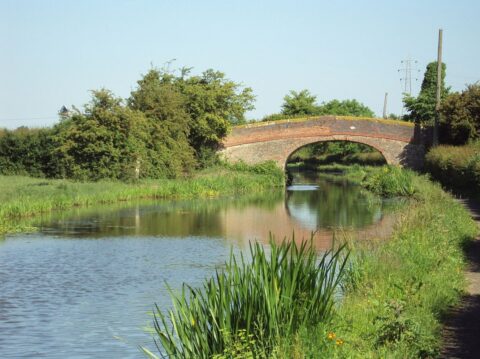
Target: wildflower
{"points": [[339, 342], [331, 335]]}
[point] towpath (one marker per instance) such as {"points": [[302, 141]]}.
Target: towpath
{"points": [[461, 333]]}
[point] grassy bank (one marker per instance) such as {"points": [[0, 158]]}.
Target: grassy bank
{"points": [[26, 196], [397, 291], [457, 167]]}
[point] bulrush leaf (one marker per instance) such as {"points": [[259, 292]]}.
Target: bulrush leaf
{"points": [[252, 303]]}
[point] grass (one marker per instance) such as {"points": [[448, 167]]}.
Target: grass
{"points": [[22, 197], [244, 310], [397, 291], [457, 167], [302, 118]]}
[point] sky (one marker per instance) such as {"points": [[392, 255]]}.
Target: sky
{"points": [[53, 53]]}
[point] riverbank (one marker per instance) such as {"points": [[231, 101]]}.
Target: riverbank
{"points": [[397, 291], [26, 196]]}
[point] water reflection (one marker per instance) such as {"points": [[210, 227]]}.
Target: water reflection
{"points": [[312, 203]]}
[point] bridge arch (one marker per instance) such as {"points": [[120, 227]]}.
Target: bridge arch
{"points": [[288, 159], [395, 140]]}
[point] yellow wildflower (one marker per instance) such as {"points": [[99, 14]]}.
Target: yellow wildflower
{"points": [[331, 335]]}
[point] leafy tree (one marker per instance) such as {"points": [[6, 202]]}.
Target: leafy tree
{"points": [[299, 103], [207, 104], [303, 103], [213, 103], [160, 99], [345, 108], [460, 116], [110, 140], [422, 108]]}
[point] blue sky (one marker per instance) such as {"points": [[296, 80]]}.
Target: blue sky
{"points": [[54, 52]]}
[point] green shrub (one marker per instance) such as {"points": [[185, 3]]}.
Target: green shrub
{"points": [[456, 167]]}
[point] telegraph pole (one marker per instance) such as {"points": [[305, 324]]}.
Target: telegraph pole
{"points": [[439, 88], [385, 105]]}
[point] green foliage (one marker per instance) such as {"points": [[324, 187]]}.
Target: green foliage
{"points": [[26, 151], [299, 103], [269, 296], [342, 152], [207, 104], [460, 116], [457, 167], [390, 181], [345, 108], [269, 168], [303, 103], [112, 141], [170, 126], [422, 108]]}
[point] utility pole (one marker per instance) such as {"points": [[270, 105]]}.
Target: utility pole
{"points": [[439, 88], [385, 105]]}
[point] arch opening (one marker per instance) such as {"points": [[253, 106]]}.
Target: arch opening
{"points": [[322, 155]]}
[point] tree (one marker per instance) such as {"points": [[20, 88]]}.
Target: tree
{"points": [[422, 108], [111, 140], [208, 104], [345, 108], [299, 103], [213, 103], [460, 116]]}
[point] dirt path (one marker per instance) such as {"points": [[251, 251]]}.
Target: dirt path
{"points": [[461, 332]]}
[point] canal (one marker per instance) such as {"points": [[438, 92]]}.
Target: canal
{"points": [[85, 284]]}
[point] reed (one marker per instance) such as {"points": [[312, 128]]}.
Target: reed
{"points": [[253, 303]]}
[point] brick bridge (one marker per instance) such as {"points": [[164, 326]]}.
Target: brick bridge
{"points": [[398, 141]]}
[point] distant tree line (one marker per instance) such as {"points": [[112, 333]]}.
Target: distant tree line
{"points": [[303, 103], [170, 125]]}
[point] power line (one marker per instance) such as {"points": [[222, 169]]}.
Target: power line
{"points": [[406, 71], [30, 118]]}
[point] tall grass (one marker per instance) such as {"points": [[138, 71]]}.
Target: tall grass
{"points": [[26, 196], [252, 303], [390, 181], [457, 167]]}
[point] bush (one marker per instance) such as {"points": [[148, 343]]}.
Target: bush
{"points": [[26, 151], [457, 167], [460, 116]]}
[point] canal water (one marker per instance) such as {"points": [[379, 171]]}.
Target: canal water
{"points": [[85, 285]]}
